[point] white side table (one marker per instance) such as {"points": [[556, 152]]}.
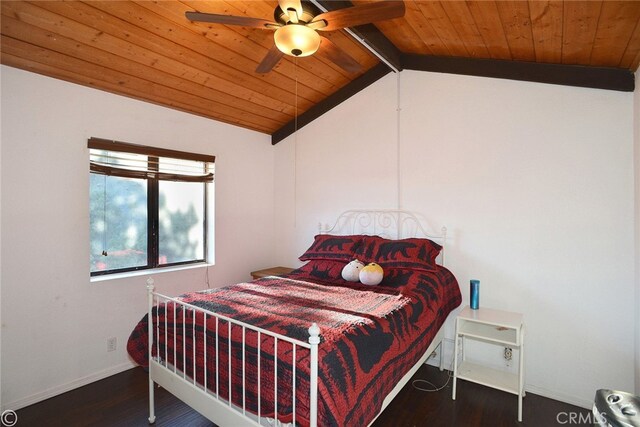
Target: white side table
{"points": [[495, 326]]}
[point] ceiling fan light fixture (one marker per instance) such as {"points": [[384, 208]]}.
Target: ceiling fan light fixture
{"points": [[297, 40]]}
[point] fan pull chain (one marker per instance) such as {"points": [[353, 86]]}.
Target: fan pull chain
{"points": [[398, 140], [295, 147], [296, 101]]}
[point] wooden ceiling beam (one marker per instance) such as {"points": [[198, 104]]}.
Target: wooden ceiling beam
{"points": [[569, 75], [346, 92], [369, 34]]}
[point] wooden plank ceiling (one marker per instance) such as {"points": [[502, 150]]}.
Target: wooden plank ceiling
{"points": [[148, 50], [593, 33]]}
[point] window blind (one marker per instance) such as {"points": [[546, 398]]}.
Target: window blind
{"points": [[138, 161]]}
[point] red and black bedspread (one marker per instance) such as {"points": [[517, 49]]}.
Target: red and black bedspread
{"points": [[370, 337]]}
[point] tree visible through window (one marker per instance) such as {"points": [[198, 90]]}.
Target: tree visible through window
{"points": [[148, 207]]}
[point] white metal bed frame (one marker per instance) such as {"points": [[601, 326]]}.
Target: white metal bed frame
{"points": [[386, 223]]}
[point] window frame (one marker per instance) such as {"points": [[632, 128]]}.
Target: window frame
{"points": [[153, 201]]}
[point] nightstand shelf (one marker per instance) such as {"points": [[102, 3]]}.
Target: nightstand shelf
{"points": [[497, 327], [273, 271], [490, 377]]}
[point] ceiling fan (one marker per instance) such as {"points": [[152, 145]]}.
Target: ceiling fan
{"points": [[297, 24]]}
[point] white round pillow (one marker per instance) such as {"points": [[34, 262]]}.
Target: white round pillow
{"points": [[372, 274], [351, 271]]}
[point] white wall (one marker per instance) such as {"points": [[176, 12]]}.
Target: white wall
{"points": [[1, 328], [55, 322], [636, 121], [535, 183]]}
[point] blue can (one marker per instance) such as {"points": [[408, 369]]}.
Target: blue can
{"points": [[474, 294]]}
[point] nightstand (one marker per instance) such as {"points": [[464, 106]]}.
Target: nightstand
{"points": [[273, 271], [498, 327]]}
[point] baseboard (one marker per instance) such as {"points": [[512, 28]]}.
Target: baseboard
{"points": [[63, 388], [540, 391], [566, 398]]}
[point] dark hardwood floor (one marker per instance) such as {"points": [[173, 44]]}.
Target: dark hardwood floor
{"points": [[121, 400]]}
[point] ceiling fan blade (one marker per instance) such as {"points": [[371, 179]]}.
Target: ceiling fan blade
{"points": [[273, 57], [332, 52], [243, 21], [359, 15]]}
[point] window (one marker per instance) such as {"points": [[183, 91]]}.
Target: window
{"points": [[148, 206]]}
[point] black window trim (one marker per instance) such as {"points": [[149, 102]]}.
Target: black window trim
{"points": [[153, 195]]}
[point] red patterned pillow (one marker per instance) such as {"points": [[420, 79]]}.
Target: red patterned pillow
{"points": [[321, 270], [332, 247], [413, 253]]}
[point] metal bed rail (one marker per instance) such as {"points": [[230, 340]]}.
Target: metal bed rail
{"points": [[207, 400]]}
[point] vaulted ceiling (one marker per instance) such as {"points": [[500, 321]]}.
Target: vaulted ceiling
{"points": [[148, 50]]}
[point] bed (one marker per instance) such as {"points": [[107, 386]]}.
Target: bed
{"points": [[309, 348]]}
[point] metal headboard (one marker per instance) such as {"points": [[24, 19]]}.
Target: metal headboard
{"points": [[388, 223]]}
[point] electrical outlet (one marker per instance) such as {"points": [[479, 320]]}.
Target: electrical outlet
{"points": [[508, 354], [112, 344]]}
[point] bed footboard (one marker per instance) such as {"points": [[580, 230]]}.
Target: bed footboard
{"points": [[184, 363]]}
